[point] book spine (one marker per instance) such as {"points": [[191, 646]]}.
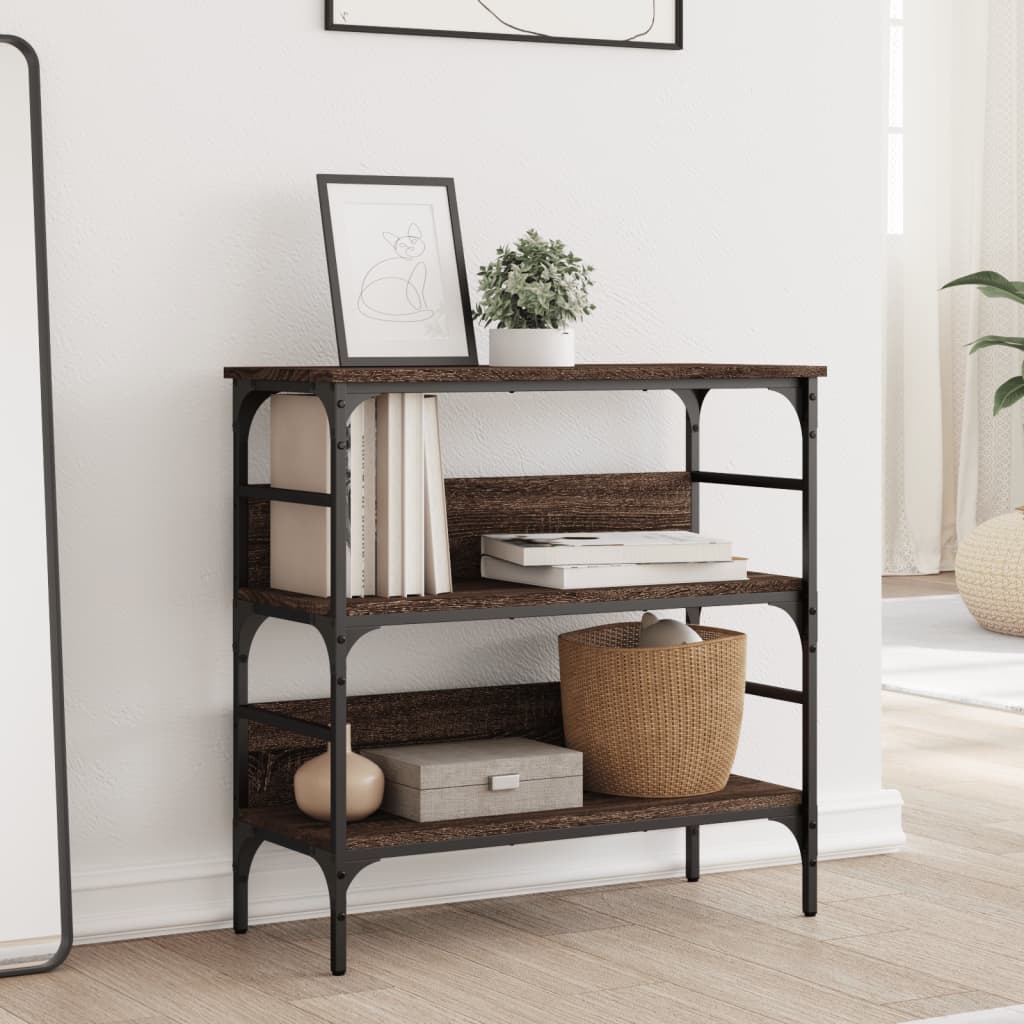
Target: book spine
{"points": [[389, 496], [356, 504], [438, 555], [368, 455], [412, 495]]}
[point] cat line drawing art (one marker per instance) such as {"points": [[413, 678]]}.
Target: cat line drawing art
{"points": [[394, 290], [624, 21]]}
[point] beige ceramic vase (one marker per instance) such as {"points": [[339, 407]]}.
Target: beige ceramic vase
{"points": [[364, 785]]}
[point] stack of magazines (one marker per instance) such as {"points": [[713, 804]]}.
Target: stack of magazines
{"points": [[567, 561]]}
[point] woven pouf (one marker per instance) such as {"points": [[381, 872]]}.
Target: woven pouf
{"points": [[654, 721], [990, 573]]}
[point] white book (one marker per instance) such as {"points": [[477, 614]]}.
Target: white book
{"points": [[356, 553], [368, 456], [636, 546], [413, 508], [581, 577], [300, 544], [300, 460], [390, 580], [300, 444], [438, 560]]}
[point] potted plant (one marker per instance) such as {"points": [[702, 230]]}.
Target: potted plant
{"points": [[989, 562], [995, 286], [533, 292]]}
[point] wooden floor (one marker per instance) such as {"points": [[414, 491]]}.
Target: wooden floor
{"points": [[938, 929], [919, 586]]}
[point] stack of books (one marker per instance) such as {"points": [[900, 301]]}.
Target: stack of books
{"points": [[627, 559], [398, 524]]}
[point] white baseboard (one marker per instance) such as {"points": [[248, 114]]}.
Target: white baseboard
{"points": [[121, 903]]}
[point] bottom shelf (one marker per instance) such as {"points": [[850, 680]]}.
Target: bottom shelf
{"points": [[391, 836]]}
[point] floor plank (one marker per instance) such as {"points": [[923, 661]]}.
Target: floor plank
{"points": [[919, 586], [401, 961], [944, 1006], [967, 965], [384, 1007], [181, 989], [541, 914], [537, 960], [659, 1003], [801, 956], [720, 976], [69, 995]]}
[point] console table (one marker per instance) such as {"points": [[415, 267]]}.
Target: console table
{"points": [[271, 739]]}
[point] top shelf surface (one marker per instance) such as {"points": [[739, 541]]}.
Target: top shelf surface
{"points": [[583, 374]]}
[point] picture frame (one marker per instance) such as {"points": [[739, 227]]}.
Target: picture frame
{"points": [[397, 271], [640, 24]]}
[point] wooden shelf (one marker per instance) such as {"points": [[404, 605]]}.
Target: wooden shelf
{"points": [[475, 596], [273, 739], [382, 832], [584, 373]]}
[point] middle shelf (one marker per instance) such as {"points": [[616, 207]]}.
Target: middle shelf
{"points": [[474, 596], [593, 502]]}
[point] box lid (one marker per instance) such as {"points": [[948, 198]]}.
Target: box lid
{"points": [[473, 762]]}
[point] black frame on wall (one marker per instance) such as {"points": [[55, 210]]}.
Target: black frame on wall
{"points": [[49, 491], [332, 25]]}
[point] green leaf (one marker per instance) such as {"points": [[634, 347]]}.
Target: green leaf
{"points": [[1008, 393], [993, 285], [991, 340]]}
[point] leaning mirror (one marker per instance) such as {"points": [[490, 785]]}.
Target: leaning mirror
{"points": [[35, 914]]}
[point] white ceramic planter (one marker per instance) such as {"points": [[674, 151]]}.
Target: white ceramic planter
{"points": [[533, 347]]}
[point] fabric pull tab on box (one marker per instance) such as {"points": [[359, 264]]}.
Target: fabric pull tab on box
{"points": [[504, 782]]}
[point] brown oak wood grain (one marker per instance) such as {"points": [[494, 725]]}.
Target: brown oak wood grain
{"points": [[385, 830], [510, 374], [470, 595], [560, 504]]}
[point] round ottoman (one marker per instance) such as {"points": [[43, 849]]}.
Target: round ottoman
{"points": [[990, 573]]}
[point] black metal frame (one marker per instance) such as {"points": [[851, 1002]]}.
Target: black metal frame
{"points": [[50, 499], [332, 25], [341, 632], [344, 359]]}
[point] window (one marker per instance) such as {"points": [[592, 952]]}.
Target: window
{"points": [[895, 203]]}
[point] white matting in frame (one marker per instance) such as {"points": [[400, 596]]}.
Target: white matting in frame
{"points": [[398, 276], [648, 23]]}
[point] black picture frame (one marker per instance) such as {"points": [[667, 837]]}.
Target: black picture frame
{"points": [[344, 357], [332, 25], [50, 502]]}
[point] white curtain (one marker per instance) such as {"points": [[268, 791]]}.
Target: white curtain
{"points": [[948, 463]]}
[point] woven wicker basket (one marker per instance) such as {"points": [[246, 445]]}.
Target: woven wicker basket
{"points": [[990, 573], [656, 721]]}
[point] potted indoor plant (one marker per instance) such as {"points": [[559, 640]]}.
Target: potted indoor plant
{"points": [[989, 561], [530, 296]]}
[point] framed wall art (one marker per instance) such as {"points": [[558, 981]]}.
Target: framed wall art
{"points": [[397, 271], [654, 24]]}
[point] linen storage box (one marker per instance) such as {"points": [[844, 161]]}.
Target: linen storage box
{"points": [[475, 778], [654, 721]]}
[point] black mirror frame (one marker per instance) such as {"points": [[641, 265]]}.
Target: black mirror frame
{"points": [[46, 403]]}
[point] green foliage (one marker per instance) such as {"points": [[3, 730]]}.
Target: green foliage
{"points": [[534, 283], [995, 286]]}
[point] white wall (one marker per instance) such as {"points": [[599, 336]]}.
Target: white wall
{"points": [[731, 197]]}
